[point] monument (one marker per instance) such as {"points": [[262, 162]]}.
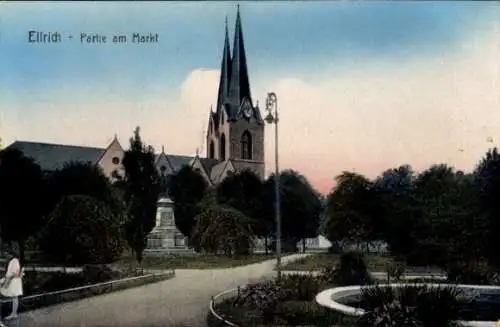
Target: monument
{"points": [[165, 236]]}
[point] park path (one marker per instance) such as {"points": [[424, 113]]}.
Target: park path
{"points": [[178, 302]]}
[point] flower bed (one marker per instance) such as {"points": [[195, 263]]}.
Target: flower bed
{"points": [[289, 302], [36, 282]]}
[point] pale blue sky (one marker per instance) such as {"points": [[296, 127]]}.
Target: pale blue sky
{"points": [[74, 93]]}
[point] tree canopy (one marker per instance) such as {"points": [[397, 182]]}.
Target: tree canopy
{"points": [[186, 188], [22, 197], [244, 192], [81, 230], [436, 217], [220, 228], [301, 207], [141, 191]]}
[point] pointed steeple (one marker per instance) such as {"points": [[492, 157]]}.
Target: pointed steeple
{"points": [[225, 74], [239, 86]]}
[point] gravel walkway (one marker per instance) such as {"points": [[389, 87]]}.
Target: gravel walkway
{"points": [[178, 302]]}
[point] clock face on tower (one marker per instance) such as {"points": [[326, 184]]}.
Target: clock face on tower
{"points": [[247, 109]]}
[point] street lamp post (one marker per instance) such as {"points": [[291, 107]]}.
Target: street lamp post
{"points": [[272, 118]]}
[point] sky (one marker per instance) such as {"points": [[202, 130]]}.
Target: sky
{"points": [[361, 86]]}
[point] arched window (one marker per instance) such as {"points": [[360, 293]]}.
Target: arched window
{"points": [[222, 147], [211, 150], [246, 146]]}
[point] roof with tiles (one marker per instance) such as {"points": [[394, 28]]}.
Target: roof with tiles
{"points": [[54, 156], [51, 157]]}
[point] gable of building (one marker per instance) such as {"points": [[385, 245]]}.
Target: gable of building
{"points": [[111, 161], [163, 165], [198, 166], [221, 171]]}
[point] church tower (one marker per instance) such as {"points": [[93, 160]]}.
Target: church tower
{"points": [[236, 128]]}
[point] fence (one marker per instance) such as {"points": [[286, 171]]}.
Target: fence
{"points": [[35, 301]]}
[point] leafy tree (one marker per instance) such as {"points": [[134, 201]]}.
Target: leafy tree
{"points": [[141, 191], [244, 192], [395, 190], [351, 209], [425, 216], [300, 208], [80, 178], [222, 228], [186, 188], [81, 230], [21, 197], [487, 181]]}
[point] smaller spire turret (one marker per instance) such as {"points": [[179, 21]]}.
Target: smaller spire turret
{"points": [[225, 74]]}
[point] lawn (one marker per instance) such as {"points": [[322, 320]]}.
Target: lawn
{"points": [[319, 261], [194, 261], [374, 262]]}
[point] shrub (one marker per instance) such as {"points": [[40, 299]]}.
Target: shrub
{"points": [[351, 270], [329, 274], [264, 296], [300, 287], [476, 273], [93, 274], [308, 313], [412, 305], [82, 230], [222, 228], [395, 270], [40, 282]]}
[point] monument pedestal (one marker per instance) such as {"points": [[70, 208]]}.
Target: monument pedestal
{"points": [[165, 236]]}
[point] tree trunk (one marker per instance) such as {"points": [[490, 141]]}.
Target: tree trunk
{"points": [[266, 245], [304, 245]]}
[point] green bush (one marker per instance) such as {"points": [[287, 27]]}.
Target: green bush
{"points": [[351, 270], [300, 287], [412, 305], [308, 313], [93, 274], [395, 270], [265, 297], [475, 273], [41, 282], [81, 230]]}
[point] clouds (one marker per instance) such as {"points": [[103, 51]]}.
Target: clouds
{"points": [[368, 120], [360, 86]]}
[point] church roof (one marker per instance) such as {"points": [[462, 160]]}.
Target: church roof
{"points": [[209, 163], [53, 156]]}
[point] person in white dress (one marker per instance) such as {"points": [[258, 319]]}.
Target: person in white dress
{"points": [[11, 286]]}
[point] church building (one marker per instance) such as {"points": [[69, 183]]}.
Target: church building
{"points": [[235, 133], [235, 142]]}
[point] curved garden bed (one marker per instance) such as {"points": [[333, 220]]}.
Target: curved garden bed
{"points": [[291, 301], [270, 303]]}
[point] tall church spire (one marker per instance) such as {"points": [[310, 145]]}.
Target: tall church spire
{"points": [[239, 87], [225, 74]]}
